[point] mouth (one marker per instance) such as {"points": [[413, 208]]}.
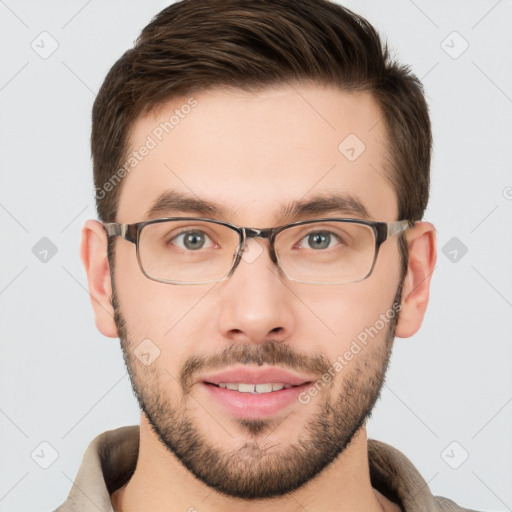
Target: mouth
{"points": [[255, 393]]}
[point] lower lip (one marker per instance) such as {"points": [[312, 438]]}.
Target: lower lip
{"points": [[252, 405]]}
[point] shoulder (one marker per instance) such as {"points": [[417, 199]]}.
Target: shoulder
{"points": [[396, 477], [446, 505]]}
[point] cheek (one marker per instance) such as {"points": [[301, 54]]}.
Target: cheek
{"points": [[164, 313], [342, 311], [332, 317]]}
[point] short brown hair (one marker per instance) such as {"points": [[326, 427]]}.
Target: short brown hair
{"points": [[194, 45]]}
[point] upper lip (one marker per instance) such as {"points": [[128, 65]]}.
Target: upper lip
{"points": [[248, 375]]}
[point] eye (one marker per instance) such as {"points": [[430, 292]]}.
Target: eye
{"points": [[192, 240], [319, 240]]}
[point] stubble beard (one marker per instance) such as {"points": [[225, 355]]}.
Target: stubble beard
{"points": [[259, 468]]}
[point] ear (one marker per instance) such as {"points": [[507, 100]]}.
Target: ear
{"points": [[93, 252], [422, 244]]}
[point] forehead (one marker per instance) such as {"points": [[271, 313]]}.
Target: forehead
{"points": [[253, 155]]}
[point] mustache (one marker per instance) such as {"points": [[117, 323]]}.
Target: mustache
{"points": [[270, 352]]}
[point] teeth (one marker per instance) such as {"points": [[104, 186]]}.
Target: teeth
{"points": [[246, 388], [253, 388], [263, 388]]}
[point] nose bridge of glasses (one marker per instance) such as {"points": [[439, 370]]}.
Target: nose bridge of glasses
{"points": [[267, 233], [258, 233]]}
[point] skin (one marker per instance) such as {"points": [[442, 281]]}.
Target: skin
{"points": [[253, 153]]}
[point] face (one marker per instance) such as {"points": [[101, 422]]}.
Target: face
{"points": [[252, 156]]}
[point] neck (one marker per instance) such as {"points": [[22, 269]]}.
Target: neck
{"points": [[161, 483]]}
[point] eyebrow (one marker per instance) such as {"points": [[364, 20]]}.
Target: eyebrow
{"points": [[171, 203]]}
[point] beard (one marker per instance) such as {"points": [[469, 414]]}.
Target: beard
{"points": [[260, 468]]}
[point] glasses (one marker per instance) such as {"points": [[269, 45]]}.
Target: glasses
{"points": [[191, 250]]}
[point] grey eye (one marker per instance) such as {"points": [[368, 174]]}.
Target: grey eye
{"points": [[191, 240], [319, 240]]}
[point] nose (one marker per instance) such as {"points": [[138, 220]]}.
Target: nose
{"points": [[256, 304]]}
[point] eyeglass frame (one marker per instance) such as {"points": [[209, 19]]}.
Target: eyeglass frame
{"points": [[131, 233]]}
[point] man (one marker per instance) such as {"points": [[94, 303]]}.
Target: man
{"points": [[261, 172]]}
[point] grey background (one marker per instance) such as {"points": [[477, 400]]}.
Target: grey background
{"points": [[62, 383]]}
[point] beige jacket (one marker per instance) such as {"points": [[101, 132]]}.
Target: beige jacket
{"points": [[110, 460]]}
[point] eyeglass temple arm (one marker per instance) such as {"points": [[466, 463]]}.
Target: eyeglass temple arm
{"points": [[125, 231], [398, 226]]}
